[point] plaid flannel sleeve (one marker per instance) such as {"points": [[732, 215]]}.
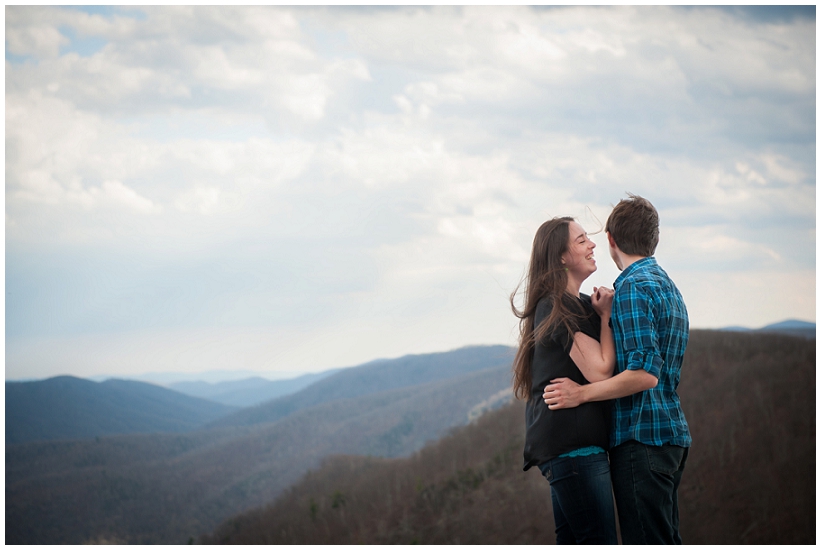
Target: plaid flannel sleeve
{"points": [[640, 341]]}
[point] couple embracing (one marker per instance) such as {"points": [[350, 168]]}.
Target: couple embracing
{"points": [[600, 374]]}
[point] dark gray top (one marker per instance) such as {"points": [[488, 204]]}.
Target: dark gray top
{"points": [[550, 433]]}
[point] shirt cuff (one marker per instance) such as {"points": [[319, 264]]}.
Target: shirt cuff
{"points": [[647, 360]]}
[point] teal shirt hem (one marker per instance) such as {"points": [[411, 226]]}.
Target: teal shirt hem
{"points": [[584, 451]]}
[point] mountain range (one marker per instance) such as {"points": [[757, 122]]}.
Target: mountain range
{"points": [[247, 391], [167, 488], [173, 487], [793, 327], [375, 377], [66, 407]]}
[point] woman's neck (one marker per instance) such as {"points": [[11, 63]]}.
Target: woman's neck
{"points": [[573, 286]]}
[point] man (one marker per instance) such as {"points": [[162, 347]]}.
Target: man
{"points": [[650, 438]]}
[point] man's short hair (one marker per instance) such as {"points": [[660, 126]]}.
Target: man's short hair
{"points": [[634, 225]]}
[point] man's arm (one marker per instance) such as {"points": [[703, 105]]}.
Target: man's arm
{"points": [[640, 344], [563, 393]]}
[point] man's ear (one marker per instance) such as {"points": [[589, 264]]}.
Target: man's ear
{"points": [[611, 241]]}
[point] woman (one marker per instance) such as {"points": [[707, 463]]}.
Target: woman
{"points": [[564, 333]]}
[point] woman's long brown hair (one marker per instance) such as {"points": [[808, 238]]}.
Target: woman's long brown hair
{"points": [[546, 277]]}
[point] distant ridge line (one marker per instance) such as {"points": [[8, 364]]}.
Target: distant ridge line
{"points": [[789, 324], [792, 327]]}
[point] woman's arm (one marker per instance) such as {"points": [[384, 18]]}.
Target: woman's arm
{"points": [[596, 360]]}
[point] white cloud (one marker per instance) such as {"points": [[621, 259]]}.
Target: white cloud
{"points": [[115, 193], [388, 167], [748, 298], [252, 59], [777, 170], [711, 248], [200, 199], [41, 41]]}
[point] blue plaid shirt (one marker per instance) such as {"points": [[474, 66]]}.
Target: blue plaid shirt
{"points": [[651, 329]]}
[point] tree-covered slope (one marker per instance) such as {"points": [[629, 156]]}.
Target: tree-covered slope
{"points": [[749, 479]]}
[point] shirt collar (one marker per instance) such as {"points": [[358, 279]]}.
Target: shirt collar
{"points": [[635, 266]]}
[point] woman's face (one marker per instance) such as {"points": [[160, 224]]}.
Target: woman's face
{"points": [[579, 259]]}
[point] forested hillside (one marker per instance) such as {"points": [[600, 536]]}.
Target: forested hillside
{"points": [[750, 477], [66, 407], [167, 489], [467, 488]]}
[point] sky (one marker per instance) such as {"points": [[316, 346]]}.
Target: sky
{"points": [[293, 189]]}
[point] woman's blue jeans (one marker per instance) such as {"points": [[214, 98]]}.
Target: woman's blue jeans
{"points": [[582, 499]]}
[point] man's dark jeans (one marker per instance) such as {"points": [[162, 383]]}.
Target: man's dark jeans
{"points": [[645, 483], [582, 499]]}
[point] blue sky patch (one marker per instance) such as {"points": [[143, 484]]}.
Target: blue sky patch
{"points": [[86, 46], [18, 59]]}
